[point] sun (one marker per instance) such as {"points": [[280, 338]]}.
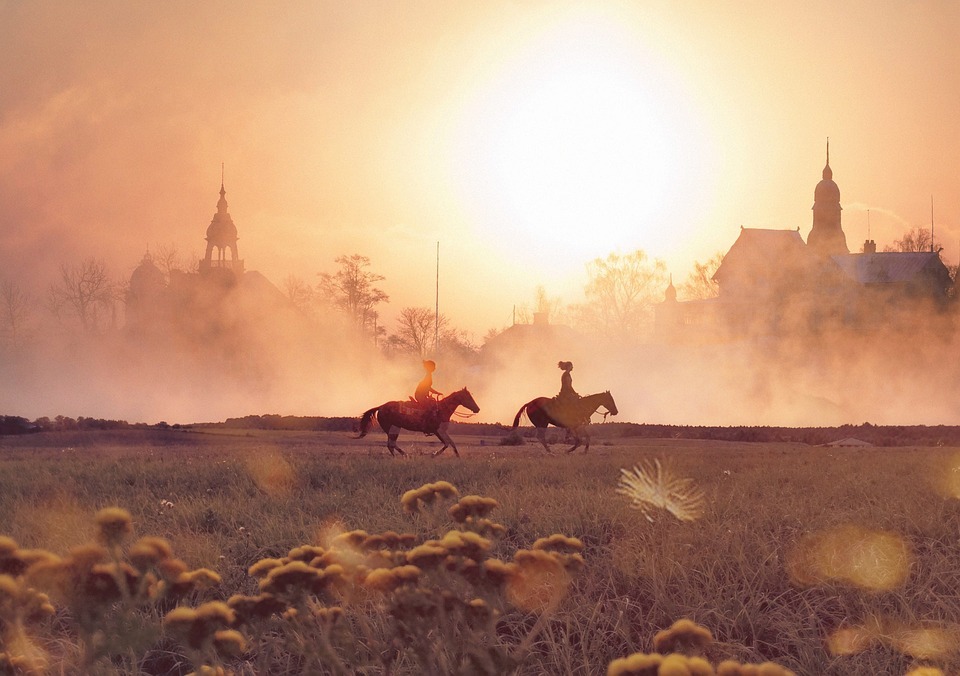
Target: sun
{"points": [[577, 146]]}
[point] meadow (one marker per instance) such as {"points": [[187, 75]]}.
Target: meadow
{"points": [[821, 560]]}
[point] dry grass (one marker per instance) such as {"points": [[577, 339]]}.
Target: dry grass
{"points": [[745, 570]]}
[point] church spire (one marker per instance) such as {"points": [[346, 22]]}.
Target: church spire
{"points": [[826, 237], [827, 171]]}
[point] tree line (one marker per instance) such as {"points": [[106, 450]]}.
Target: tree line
{"points": [[619, 297]]}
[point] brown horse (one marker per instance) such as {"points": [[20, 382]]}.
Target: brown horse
{"points": [[394, 416], [573, 416]]}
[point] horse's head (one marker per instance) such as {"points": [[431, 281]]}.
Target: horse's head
{"points": [[609, 403], [465, 399]]}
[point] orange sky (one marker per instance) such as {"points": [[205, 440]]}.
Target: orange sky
{"points": [[526, 137]]}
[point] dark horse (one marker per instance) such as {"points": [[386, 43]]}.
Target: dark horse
{"points": [[573, 416], [407, 415]]}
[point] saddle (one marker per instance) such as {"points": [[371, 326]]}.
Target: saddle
{"points": [[566, 411], [425, 415]]}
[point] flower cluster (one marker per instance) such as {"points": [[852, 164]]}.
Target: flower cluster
{"points": [[683, 636], [443, 595], [20, 607], [678, 651], [675, 664], [101, 584], [206, 629], [415, 499], [92, 577]]}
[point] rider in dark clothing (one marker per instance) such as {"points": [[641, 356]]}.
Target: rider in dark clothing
{"points": [[567, 393], [567, 397]]}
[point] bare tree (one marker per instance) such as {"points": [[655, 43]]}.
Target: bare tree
{"points": [[700, 284], [915, 239], [542, 304], [301, 294], [16, 305], [416, 327], [169, 259], [85, 291], [458, 342], [621, 293], [351, 290]]}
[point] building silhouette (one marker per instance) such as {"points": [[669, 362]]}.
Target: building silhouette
{"points": [[209, 305], [772, 283], [221, 237]]}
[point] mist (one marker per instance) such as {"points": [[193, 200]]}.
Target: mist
{"points": [[251, 352], [383, 129]]}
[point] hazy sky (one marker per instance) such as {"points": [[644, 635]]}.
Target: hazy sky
{"points": [[525, 136]]}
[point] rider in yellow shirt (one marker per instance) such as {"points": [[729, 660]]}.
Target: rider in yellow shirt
{"points": [[425, 395]]}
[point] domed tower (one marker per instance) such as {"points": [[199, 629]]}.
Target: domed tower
{"points": [[144, 293], [826, 237], [221, 235]]}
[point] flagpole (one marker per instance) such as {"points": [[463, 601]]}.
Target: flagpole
{"points": [[436, 308]]}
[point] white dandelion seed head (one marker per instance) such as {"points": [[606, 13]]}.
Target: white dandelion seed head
{"points": [[652, 488]]}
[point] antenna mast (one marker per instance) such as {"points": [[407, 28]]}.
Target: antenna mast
{"points": [[931, 223]]}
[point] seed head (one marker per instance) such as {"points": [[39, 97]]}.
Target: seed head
{"points": [[293, 577], [559, 543], [637, 664], [472, 507], [683, 636], [465, 543], [427, 494], [388, 579], [264, 566], [261, 606], [171, 568], [426, 555], [147, 552], [651, 487], [81, 559], [114, 525], [229, 643], [487, 528], [7, 546], [305, 553]]}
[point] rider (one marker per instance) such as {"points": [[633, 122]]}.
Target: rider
{"points": [[425, 395], [567, 396]]}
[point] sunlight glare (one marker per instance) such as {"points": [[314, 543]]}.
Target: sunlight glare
{"points": [[873, 560], [581, 145]]}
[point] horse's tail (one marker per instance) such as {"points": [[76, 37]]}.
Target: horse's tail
{"points": [[516, 419], [365, 422]]}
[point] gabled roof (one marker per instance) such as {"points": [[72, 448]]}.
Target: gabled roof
{"points": [[889, 267], [849, 441], [758, 248]]}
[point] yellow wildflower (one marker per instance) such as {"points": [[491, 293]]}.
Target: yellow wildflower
{"points": [[115, 524]]}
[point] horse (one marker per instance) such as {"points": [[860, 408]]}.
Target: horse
{"points": [[394, 416], [573, 416]]}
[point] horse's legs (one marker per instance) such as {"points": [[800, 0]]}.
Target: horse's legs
{"points": [[392, 441], [447, 441], [542, 436], [576, 439]]}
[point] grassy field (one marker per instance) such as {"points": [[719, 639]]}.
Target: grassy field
{"points": [[825, 561]]}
